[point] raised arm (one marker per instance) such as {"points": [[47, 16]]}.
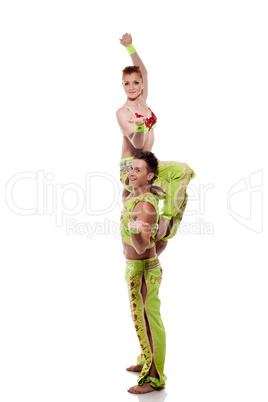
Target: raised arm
{"points": [[126, 40]]}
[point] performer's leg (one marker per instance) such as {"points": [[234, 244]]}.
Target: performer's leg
{"points": [[145, 308], [138, 367], [153, 278], [153, 372], [175, 177], [124, 167]]}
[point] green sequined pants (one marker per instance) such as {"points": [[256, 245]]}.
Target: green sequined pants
{"points": [[146, 317]]}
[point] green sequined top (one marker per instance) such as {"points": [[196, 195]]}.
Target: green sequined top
{"points": [[126, 216]]}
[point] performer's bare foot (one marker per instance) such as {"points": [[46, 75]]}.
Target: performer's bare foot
{"points": [[142, 389], [134, 368]]}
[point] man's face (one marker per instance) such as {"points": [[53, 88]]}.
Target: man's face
{"points": [[137, 174]]}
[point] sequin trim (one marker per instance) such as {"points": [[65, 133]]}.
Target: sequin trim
{"points": [[125, 164], [150, 265]]}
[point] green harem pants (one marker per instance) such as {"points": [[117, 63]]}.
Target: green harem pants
{"points": [[148, 311]]}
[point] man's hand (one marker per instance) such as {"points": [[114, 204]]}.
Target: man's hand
{"points": [[126, 39], [138, 225]]}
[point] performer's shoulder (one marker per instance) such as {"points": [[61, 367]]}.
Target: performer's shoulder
{"points": [[122, 111], [147, 209], [150, 198]]}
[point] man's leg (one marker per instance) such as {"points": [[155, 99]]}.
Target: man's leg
{"points": [[124, 167], [153, 372], [145, 306], [138, 368]]}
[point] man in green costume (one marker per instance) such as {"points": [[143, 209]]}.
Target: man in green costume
{"points": [[170, 184], [143, 274]]}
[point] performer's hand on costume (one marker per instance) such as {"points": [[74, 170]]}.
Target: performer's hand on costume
{"points": [[138, 225], [126, 39], [162, 229]]}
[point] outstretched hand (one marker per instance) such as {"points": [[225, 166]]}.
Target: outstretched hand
{"points": [[137, 120], [126, 39]]}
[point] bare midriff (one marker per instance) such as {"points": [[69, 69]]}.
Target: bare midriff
{"points": [[131, 254], [129, 150]]}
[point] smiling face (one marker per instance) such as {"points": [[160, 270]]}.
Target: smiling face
{"points": [[132, 84], [138, 175]]}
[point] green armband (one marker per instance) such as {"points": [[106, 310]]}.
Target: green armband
{"points": [[131, 49], [134, 231], [139, 128]]}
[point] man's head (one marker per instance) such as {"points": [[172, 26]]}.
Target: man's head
{"points": [[143, 169]]}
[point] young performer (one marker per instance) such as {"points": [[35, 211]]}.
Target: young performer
{"points": [[137, 122], [143, 272]]}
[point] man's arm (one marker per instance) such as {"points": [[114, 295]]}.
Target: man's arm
{"points": [[146, 217]]}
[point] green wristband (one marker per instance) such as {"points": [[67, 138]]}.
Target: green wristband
{"points": [[131, 49], [138, 128], [167, 217], [134, 231]]}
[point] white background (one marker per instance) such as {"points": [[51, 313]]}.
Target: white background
{"points": [[66, 330]]}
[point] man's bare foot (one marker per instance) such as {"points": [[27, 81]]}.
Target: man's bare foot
{"points": [[134, 368], [141, 389]]}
